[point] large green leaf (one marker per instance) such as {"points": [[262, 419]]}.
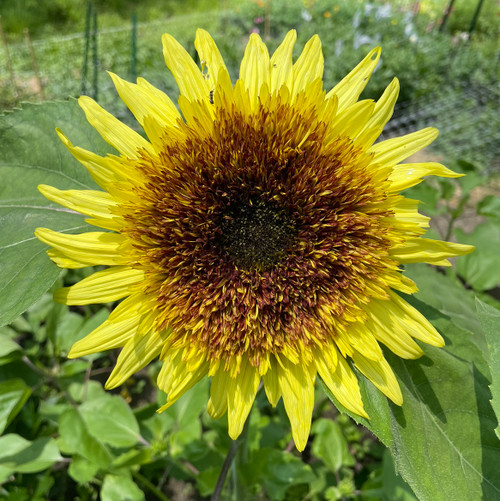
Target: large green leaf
{"points": [[20, 455], [32, 154], [490, 322], [111, 420], [119, 488], [76, 438], [13, 395], [442, 438]]}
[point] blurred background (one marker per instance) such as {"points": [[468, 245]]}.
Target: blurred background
{"points": [[444, 52]]}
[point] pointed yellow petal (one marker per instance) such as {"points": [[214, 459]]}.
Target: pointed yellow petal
{"points": [[282, 64], [342, 383], [135, 355], [101, 287], [297, 388], [175, 378], [271, 385], [363, 341], [103, 170], [392, 151], [240, 400], [89, 202], [214, 411], [425, 250], [188, 76], [406, 175], [210, 58], [255, 66], [382, 113], [423, 330], [114, 132], [380, 374], [352, 120], [87, 249], [107, 336], [350, 87], [142, 101], [309, 66]]}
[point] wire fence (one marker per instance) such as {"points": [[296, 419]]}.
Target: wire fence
{"points": [[72, 65]]}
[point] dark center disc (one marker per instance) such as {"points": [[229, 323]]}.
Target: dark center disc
{"points": [[255, 233]]}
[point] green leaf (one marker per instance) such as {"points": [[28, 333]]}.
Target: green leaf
{"points": [[480, 269], [9, 349], [117, 488], [32, 154], [76, 438], [111, 420], [13, 395], [81, 470], [276, 470], [330, 445], [490, 322], [445, 424], [18, 455], [489, 206]]}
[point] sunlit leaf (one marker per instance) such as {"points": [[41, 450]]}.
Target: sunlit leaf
{"points": [[13, 395], [490, 322], [32, 154]]}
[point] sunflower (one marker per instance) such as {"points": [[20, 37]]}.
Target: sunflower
{"points": [[256, 236]]}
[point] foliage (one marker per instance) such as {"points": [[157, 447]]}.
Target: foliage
{"points": [[65, 437]]}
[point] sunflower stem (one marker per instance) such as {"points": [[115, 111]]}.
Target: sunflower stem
{"points": [[228, 461]]}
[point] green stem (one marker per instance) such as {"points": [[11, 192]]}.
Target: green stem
{"points": [[144, 481], [226, 466]]}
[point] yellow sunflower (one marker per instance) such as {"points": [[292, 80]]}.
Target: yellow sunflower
{"points": [[256, 235]]}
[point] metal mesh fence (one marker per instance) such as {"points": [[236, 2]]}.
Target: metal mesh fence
{"points": [[467, 118]]}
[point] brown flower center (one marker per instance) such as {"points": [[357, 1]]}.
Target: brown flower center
{"points": [[255, 233]]}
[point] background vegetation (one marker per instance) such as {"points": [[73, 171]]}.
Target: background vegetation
{"points": [[63, 437]]}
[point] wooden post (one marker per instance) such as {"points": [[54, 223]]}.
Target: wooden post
{"points": [[34, 64], [8, 61], [475, 16], [446, 15]]}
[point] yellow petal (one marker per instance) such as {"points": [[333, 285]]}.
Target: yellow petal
{"points": [[350, 87], [392, 151], [142, 101], [175, 378], [88, 202], [255, 66], [241, 397], [135, 355], [101, 287], [271, 385], [114, 132], [210, 58], [363, 340], [297, 388], [188, 76], [424, 330], [406, 175], [87, 249], [104, 170], [342, 383], [282, 64], [380, 374], [425, 250], [382, 113], [309, 66]]}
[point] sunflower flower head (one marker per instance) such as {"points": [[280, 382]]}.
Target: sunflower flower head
{"points": [[256, 235]]}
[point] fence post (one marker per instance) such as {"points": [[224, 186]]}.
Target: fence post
{"points": [[8, 61], [475, 16], [34, 64], [446, 15], [133, 61], [87, 47]]}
